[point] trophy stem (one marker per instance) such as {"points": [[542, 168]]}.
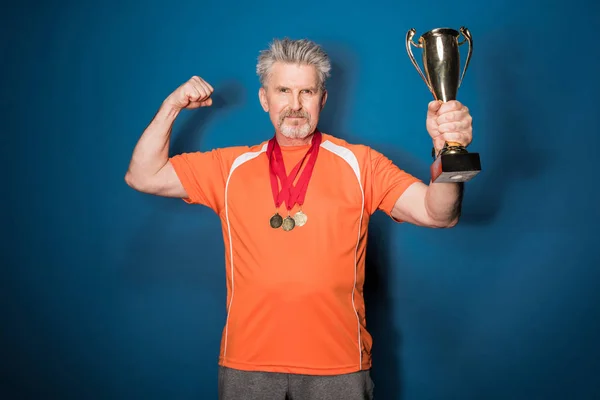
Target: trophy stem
{"points": [[453, 148]]}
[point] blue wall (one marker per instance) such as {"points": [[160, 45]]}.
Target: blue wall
{"points": [[111, 294]]}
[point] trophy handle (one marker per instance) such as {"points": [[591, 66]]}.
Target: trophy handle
{"points": [[467, 35], [409, 40]]}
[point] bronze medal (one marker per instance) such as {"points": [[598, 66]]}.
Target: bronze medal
{"points": [[276, 221], [300, 218], [288, 224]]}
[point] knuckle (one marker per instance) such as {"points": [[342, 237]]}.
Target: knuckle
{"points": [[191, 91]]}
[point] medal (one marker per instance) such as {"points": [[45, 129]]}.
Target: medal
{"points": [[288, 224], [276, 221], [300, 218], [289, 193]]}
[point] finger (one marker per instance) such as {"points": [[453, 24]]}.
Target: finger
{"points": [[194, 83], [193, 93], [454, 137], [438, 136], [203, 89], [448, 127], [455, 126], [451, 105], [451, 116], [203, 84], [431, 124], [207, 91], [196, 80]]}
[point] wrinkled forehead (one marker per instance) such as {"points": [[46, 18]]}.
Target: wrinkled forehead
{"points": [[293, 76]]}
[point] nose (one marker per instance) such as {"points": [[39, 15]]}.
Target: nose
{"points": [[295, 103]]}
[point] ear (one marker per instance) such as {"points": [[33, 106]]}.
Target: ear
{"points": [[262, 97], [323, 99]]}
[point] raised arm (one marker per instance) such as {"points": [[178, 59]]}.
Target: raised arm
{"points": [[438, 205], [149, 169]]}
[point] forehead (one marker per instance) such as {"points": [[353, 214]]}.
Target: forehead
{"points": [[293, 75]]}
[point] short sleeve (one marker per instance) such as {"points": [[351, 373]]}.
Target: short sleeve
{"points": [[388, 182], [201, 175]]}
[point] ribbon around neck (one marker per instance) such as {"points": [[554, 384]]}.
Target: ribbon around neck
{"points": [[289, 193]]}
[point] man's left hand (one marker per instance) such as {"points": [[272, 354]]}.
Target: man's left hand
{"points": [[449, 122]]}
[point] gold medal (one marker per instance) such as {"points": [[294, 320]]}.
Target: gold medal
{"points": [[300, 218], [288, 224], [276, 221]]}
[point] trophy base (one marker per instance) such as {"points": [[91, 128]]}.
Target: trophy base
{"points": [[455, 167]]}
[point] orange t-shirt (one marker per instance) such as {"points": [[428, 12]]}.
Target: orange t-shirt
{"points": [[294, 299]]}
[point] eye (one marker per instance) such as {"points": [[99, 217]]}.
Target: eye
{"points": [[283, 90], [307, 91]]}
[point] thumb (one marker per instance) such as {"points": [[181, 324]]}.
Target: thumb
{"points": [[198, 104], [433, 107], [206, 103]]}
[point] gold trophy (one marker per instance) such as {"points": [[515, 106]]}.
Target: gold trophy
{"points": [[441, 62]]}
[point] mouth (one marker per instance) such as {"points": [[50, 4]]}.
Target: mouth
{"points": [[294, 120]]}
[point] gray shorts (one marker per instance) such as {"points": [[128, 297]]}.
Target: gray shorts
{"points": [[245, 385]]}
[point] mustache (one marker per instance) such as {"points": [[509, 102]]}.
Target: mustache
{"points": [[294, 114]]}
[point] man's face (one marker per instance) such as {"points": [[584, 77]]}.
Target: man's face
{"points": [[293, 99]]}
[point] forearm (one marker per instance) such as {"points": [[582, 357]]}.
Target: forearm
{"points": [[151, 152], [443, 202]]}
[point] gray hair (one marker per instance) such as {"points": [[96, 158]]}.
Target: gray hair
{"points": [[302, 51]]}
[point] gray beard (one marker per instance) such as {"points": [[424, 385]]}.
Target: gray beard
{"points": [[295, 132]]}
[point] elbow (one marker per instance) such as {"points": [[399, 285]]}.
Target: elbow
{"points": [[130, 180], [452, 223], [444, 224], [446, 219], [135, 182]]}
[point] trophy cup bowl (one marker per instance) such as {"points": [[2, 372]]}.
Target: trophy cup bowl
{"points": [[441, 63]]}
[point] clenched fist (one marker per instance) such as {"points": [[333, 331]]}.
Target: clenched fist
{"points": [[192, 94], [449, 122]]}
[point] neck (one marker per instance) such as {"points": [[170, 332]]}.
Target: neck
{"points": [[285, 141]]}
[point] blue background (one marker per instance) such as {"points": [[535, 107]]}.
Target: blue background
{"points": [[107, 293]]}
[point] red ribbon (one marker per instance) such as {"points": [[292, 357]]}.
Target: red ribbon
{"points": [[289, 193]]}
